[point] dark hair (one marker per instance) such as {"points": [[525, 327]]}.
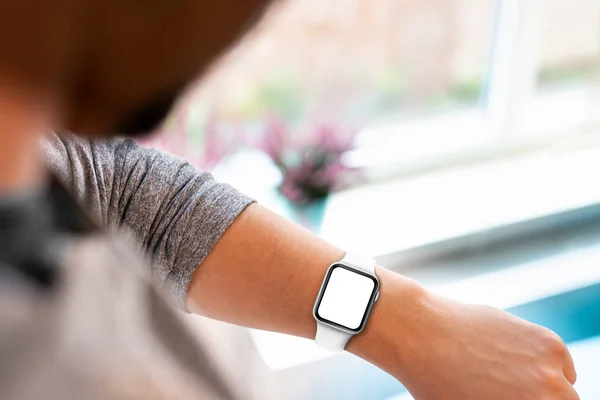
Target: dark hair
{"points": [[149, 116]]}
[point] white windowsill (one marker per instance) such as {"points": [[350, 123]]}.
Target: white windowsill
{"points": [[391, 217]]}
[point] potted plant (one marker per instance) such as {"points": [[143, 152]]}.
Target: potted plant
{"points": [[310, 159]]}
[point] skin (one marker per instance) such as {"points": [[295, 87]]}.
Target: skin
{"points": [[91, 66]]}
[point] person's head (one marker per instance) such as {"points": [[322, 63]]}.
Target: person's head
{"points": [[114, 65]]}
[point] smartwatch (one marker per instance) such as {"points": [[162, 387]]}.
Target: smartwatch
{"points": [[347, 295]]}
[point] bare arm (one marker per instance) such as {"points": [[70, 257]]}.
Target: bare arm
{"points": [[265, 273], [275, 270]]}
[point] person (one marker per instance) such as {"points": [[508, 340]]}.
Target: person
{"points": [[81, 320]]}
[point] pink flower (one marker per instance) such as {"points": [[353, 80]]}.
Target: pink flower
{"points": [[311, 162], [274, 139]]}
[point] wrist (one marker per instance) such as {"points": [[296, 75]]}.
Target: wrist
{"points": [[386, 340]]}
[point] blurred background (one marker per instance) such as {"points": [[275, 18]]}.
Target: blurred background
{"points": [[458, 141]]}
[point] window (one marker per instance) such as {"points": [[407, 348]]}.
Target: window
{"points": [[570, 43], [567, 81], [368, 64], [360, 59], [426, 84]]}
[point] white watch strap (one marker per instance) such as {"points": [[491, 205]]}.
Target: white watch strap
{"points": [[358, 261], [329, 337]]}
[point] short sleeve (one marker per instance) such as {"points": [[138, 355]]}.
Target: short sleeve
{"points": [[175, 212]]}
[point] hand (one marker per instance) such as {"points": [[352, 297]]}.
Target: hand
{"points": [[473, 352], [441, 349]]}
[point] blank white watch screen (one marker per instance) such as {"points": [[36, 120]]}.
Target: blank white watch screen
{"points": [[346, 298]]}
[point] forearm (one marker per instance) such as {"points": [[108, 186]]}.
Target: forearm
{"points": [[265, 273]]}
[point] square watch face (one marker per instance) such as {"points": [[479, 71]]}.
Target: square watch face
{"points": [[346, 297]]}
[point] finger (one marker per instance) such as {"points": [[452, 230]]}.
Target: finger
{"points": [[569, 368]]}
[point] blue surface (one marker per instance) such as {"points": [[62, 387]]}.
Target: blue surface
{"points": [[573, 315]]}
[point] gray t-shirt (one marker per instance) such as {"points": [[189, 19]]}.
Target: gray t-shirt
{"points": [[79, 316], [174, 212]]}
